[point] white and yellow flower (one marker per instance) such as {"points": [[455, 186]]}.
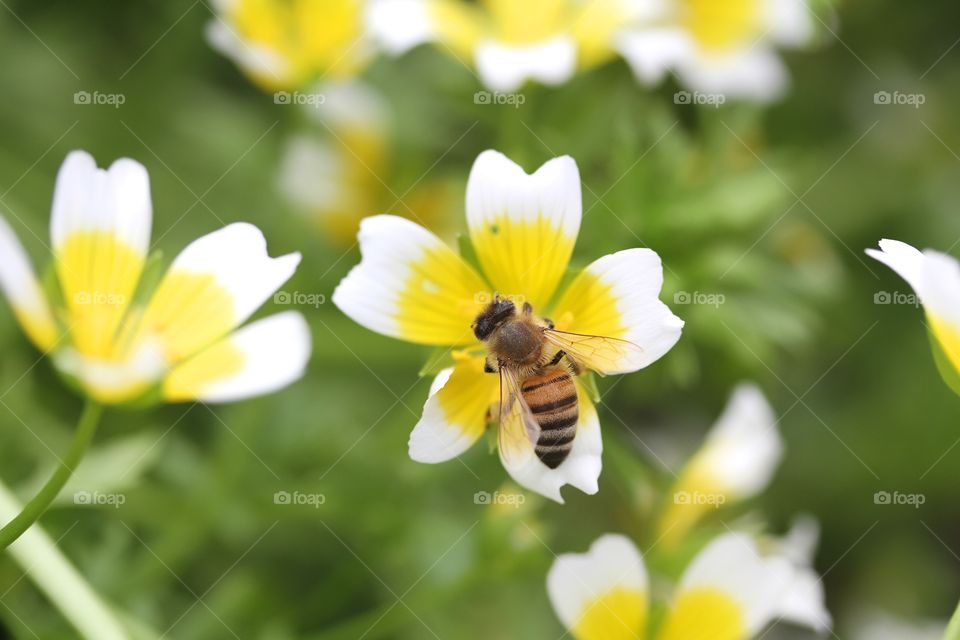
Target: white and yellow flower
{"points": [[726, 48], [284, 44], [730, 591], [183, 339], [411, 286], [736, 462], [509, 42], [935, 279]]}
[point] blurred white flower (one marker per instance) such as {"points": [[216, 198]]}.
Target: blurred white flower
{"points": [[729, 590], [508, 42], [284, 44], [735, 462], [722, 48]]}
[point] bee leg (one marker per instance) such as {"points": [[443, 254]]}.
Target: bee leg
{"points": [[487, 367], [557, 358], [549, 323], [527, 309]]}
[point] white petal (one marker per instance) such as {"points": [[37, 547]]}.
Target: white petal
{"points": [[410, 285], [498, 185], [20, 285], [506, 67], [617, 296], [902, 258], [803, 602], [934, 276], [455, 414], [652, 52], [577, 581], [743, 448], [581, 469], [940, 286], [273, 353], [789, 22], [732, 564], [91, 199], [236, 256], [400, 25], [754, 73]]}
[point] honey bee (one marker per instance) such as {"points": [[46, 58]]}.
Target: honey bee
{"points": [[539, 401]]}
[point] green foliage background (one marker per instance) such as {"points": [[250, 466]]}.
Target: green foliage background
{"points": [[770, 208]]}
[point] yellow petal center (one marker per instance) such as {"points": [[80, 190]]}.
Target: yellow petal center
{"points": [[98, 275], [704, 614], [619, 614]]}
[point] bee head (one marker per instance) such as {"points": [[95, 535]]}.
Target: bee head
{"points": [[495, 314]]}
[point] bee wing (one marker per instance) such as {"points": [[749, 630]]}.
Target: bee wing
{"points": [[519, 430], [602, 354]]}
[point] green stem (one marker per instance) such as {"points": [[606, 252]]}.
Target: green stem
{"points": [[87, 426], [953, 631]]}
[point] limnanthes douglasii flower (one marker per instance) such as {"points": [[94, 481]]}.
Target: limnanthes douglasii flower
{"points": [[735, 462], [730, 591], [715, 47], [284, 44], [508, 42], [411, 286], [122, 339]]}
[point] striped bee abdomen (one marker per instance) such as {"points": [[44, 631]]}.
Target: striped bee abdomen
{"points": [[552, 397]]}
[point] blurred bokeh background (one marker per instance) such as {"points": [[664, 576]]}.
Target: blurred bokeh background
{"points": [[760, 213]]}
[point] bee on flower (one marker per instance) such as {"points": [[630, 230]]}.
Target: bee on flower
{"points": [[179, 341], [724, 48], [519, 347], [735, 462], [730, 590], [935, 280], [285, 44]]}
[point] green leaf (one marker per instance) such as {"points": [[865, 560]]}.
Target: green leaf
{"points": [[947, 371]]}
